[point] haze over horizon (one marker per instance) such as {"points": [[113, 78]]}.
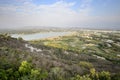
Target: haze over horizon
{"points": [[101, 14]]}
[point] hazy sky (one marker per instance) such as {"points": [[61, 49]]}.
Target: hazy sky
{"points": [[60, 13]]}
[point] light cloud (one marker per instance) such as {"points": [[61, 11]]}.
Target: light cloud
{"points": [[58, 14]]}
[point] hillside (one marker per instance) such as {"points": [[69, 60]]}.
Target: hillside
{"points": [[24, 60]]}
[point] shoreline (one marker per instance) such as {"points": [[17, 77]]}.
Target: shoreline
{"points": [[43, 36], [56, 37]]}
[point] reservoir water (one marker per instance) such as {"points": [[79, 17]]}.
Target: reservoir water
{"points": [[36, 36]]}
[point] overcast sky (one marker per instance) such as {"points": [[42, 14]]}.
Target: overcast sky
{"points": [[60, 13]]}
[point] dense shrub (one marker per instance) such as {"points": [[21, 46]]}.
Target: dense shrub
{"points": [[86, 64]]}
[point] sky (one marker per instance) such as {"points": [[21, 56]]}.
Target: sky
{"points": [[104, 14]]}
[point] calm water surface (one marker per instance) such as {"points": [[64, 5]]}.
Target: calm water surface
{"points": [[36, 36]]}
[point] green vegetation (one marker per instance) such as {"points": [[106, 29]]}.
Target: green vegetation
{"points": [[94, 76], [86, 64], [23, 72], [87, 55], [103, 44]]}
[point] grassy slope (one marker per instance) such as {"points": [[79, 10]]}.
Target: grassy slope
{"points": [[13, 52]]}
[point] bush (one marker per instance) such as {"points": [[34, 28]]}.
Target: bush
{"points": [[25, 68], [20, 38], [104, 75], [56, 73], [116, 77], [99, 76], [78, 77], [86, 64], [94, 74]]}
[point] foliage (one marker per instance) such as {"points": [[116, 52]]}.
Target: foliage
{"points": [[25, 72], [104, 75], [20, 38], [115, 77], [94, 76], [86, 64], [25, 68], [78, 77], [56, 73]]}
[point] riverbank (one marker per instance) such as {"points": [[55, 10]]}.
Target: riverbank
{"points": [[39, 36], [59, 37]]}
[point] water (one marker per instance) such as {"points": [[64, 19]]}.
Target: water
{"points": [[37, 36]]}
